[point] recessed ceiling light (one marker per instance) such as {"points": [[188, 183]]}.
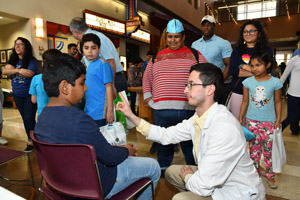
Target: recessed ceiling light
{"points": [[1, 17]]}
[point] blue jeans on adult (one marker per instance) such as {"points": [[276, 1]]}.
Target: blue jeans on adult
{"points": [[27, 110], [165, 153], [131, 170], [293, 104]]}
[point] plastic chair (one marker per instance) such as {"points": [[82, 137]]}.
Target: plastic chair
{"points": [[8, 155], [71, 170]]}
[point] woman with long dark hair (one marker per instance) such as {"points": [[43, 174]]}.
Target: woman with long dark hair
{"points": [[21, 67], [252, 39]]}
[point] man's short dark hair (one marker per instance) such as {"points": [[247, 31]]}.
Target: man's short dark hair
{"points": [[62, 67], [72, 45], [50, 53], [211, 75], [78, 24], [91, 37]]}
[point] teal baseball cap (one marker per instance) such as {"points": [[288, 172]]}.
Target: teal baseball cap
{"points": [[174, 26]]}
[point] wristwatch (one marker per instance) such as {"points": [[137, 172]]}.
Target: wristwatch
{"points": [[241, 66]]}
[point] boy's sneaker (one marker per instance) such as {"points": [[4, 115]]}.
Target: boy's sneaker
{"points": [[3, 141], [29, 148]]}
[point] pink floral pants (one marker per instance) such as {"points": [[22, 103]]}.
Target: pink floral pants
{"points": [[262, 143]]}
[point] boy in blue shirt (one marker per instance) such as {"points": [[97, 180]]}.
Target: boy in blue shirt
{"points": [[99, 78], [37, 91]]}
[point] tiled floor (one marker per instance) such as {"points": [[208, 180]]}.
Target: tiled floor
{"points": [[289, 179]]}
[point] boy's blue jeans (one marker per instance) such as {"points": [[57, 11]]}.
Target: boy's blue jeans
{"points": [[131, 170]]}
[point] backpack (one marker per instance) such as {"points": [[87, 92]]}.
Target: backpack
{"points": [[194, 51]]}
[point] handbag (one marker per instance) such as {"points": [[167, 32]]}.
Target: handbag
{"points": [[228, 100], [114, 133], [248, 134], [278, 151]]}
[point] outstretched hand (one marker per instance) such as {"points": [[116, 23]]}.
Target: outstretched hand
{"points": [[126, 110], [124, 107]]}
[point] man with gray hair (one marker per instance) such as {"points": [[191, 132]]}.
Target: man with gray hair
{"points": [[108, 52]]}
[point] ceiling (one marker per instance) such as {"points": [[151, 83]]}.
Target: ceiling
{"points": [[8, 18]]}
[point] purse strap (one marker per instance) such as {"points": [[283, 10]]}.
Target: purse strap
{"points": [[229, 95]]}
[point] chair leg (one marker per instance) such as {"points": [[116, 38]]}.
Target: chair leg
{"points": [[38, 191], [30, 167], [152, 189]]}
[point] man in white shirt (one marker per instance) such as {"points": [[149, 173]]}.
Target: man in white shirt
{"points": [[224, 169]]}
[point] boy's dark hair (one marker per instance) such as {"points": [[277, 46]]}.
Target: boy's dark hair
{"points": [[210, 75], [72, 45], [62, 67], [91, 37], [138, 60], [50, 53]]}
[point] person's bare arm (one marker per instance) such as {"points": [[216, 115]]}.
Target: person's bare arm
{"points": [[33, 99], [9, 70], [244, 105], [277, 100], [109, 94], [113, 66], [226, 70]]}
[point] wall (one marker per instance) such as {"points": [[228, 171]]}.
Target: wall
{"points": [[10, 32], [62, 12], [278, 29], [185, 10]]}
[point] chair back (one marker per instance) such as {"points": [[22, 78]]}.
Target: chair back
{"points": [[70, 169]]}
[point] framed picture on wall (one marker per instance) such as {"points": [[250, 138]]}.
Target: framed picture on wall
{"points": [[3, 56], [8, 53]]}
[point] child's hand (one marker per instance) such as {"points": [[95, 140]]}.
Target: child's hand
{"points": [[240, 121], [277, 124]]}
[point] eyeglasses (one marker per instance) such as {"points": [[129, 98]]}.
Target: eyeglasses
{"points": [[190, 85], [251, 32], [19, 44]]}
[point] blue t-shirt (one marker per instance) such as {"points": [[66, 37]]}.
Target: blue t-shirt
{"points": [[214, 50], [20, 85], [108, 50], [261, 105], [69, 125], [37, 89], [98, 74]]}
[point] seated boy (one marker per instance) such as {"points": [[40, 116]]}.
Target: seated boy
{"points": [[38, 94], [59, 122], [99, 78]]}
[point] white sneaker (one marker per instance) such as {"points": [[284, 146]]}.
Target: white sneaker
{"points": [[3, 141]]}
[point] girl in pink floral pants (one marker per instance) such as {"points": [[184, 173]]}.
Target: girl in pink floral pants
{"points": [[261, 106]]}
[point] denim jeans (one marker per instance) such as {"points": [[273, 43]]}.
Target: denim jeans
{"points": [[293, 105], [27, 110], [165, 153], [131, 170]]}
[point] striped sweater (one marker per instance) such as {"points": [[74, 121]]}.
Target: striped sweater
{"points": [[165, 81]]}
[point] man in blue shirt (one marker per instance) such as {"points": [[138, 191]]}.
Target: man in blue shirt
{"points": [[108, 52], [215, 50]]}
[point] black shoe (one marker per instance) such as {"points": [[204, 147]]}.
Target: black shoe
{"points": [[153, 148], [176, 148], [29, 148]]}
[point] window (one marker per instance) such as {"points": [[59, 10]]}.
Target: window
{"points": [[256, 10], [196, 4]]}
